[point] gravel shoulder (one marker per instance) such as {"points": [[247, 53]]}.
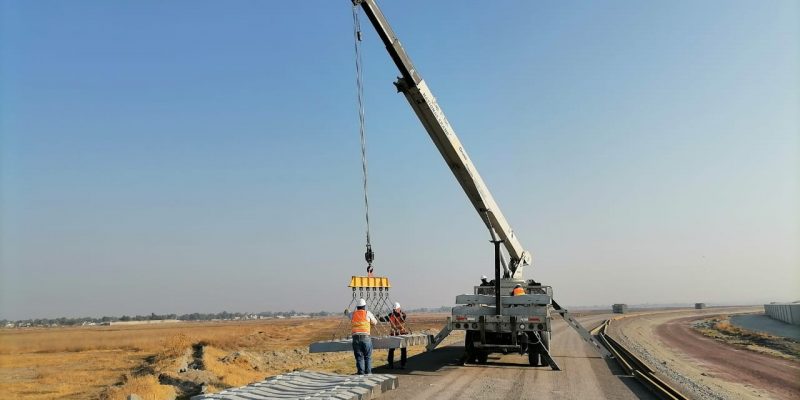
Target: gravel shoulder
{"points": [[702, 367], [584, 375]]}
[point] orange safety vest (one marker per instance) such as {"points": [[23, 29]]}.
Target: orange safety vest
{"points": [[518, 291], [359, 323], [396, 321]]}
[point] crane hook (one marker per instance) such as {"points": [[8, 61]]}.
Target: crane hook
{"points": [[369, 256]]}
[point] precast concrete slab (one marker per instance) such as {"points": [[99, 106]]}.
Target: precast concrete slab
{"points": [[310, 385], [382, 342]]}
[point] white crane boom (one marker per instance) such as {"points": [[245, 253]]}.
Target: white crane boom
{"points": [[424, 104]]}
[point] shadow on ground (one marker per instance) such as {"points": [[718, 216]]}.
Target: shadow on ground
{"points": [[432, 361]]}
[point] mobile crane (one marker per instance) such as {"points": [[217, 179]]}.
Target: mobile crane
{"points": [[493, 321]]}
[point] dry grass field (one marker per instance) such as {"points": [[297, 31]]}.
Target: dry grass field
{"points": [[164, 361]]}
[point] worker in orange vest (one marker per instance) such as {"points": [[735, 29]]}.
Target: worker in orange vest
{"points": [[518, 290], [397, 319], [361, 320]]}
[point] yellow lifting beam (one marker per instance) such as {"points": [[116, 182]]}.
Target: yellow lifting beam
{"points": [[369, 282]]}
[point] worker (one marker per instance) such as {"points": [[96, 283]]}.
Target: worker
{"points": [[518, 290], [361, 320], [397, 320], [485, 281]]}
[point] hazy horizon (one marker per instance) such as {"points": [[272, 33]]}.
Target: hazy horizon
{"points": [[427, 308], [191, 157]]}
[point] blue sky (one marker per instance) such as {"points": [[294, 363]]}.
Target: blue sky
{"points": [[203, 156]]}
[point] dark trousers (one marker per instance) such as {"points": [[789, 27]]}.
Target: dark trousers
{"points": [[362, 349], [402, 357]]}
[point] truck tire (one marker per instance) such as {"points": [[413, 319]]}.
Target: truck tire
{"points": [[534, 354], [534, 358], [469, 348]]}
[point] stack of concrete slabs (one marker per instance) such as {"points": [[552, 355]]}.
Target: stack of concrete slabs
{"points": [[382, 342], [310, 385]]}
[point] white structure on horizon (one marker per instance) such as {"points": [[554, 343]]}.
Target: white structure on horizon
{"points": [[786, 312]]}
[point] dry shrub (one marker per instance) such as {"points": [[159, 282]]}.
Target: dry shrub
{"points": [[722, 330], [724, 326], [727, 328], [147, 387]]}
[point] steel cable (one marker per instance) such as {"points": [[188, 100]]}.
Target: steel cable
{"points": [[369, 255]]}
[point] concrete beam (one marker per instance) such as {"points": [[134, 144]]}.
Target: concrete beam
{"points": [[382, 342], [310, 385]]}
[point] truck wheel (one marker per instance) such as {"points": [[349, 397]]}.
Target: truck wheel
{"points": [[469, 348], [534, 357], [545, 338], [533, 350]]}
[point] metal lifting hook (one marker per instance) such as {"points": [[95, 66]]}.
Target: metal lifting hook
{"points": [[369, 256]]}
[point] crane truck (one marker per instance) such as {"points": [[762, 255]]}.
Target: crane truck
{"points": [[493, 320]]}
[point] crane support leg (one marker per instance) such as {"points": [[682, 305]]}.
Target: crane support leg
{"points": [[434, 341], [545, 354], [585, 335]]}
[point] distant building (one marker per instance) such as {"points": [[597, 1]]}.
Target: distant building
{"points": [[619, 308], [699, 306]]}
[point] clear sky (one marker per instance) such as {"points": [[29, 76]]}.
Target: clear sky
{"points": [[203, 156]]}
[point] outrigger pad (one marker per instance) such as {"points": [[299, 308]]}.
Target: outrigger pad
{"points": [[310, 385], [382, 342]]}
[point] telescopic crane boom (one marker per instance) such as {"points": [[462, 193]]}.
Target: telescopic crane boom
{"points": [[424, 104]]}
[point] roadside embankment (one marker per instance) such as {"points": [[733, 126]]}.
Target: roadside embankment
{"points": [[701, 366]]}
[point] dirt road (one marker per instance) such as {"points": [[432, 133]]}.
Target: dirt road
{"points": [[584, 375], [701, 367], [779, 377]]}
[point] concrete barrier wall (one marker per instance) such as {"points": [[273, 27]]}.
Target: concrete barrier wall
{"points": [[786, 312]]}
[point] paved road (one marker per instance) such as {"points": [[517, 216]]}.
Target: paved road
{"points": [[584, 375]]}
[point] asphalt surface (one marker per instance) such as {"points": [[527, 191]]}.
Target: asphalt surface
{"points": [[584, 374]]}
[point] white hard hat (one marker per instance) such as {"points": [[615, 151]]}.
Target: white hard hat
{"points": [[518, 285], [484, 277], [362, 303], [396, 306]]}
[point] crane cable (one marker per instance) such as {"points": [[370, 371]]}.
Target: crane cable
{"points": [[369, 256]]}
